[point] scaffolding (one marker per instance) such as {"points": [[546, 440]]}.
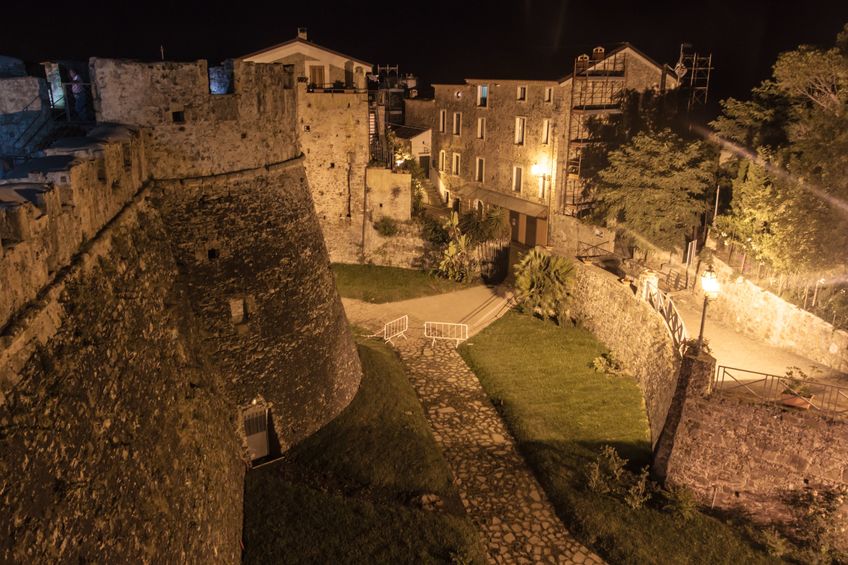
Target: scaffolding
{"points": [[596, 87], [693, 71]]}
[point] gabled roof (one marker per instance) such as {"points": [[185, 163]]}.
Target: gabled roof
{"points": [[623, 46], [408, 132], [270, 54]]}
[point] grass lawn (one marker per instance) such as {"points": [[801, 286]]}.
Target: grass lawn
{"points": [[562, 412], [388, 284], [350, 492]]}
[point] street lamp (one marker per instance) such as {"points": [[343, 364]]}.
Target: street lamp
{"points": [[711, 287]]}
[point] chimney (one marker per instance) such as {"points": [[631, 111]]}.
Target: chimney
{"points": [[597, 53], [301, 33]]}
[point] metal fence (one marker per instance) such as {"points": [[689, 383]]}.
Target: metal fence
{"points": [[446, 330], [784, 390], [395, 328], [662, 303]]}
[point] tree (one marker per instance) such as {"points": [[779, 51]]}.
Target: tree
{"points": [[656, 185], [543, 283], [798, 124]]}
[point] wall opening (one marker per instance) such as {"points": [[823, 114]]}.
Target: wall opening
{"points": [[178, 117]]}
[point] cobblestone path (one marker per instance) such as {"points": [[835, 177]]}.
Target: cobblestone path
{"points": [[500, 494]]}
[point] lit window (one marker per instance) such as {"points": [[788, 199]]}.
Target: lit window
{"points": [[520, 125], [483, 95], [546, 131], [479, 171], [455, 164], [549, 94], [521, 93], [442, 160], [517, 174], [443, 120], [457, 123], [481, 128]]}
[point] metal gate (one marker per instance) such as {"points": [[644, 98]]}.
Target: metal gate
{"points": [[255, 420]]}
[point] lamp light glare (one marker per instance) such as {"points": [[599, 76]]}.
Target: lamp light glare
{"points": [[710, 284]]}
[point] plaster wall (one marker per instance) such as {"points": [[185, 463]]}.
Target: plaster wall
{"points": [[389, 194]]}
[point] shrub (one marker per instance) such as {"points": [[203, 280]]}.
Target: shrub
{"points": [[604, 474], [542, 284], [387, 227], [458, 263], [820, 522], [776, 544], [606, 363], [640, 490], [434, 232], [681, 502]]}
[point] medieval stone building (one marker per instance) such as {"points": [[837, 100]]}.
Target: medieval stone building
{"points": [[516, 144]]}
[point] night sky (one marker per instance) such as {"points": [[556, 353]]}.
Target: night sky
{"points": [[440, 41]]}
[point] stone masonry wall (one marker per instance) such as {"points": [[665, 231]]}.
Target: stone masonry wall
{"points": [[117, 444], [634, 332], [333, 135], [75, 191], [389, 194], [736, 454], [187, 130], [253, 239], [766, 317]]}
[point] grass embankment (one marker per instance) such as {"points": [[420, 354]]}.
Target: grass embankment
{"points": [[562, 412], [388, 284], [350, 492]]}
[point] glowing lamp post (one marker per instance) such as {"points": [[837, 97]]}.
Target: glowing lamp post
{"points": [[711, 287]]}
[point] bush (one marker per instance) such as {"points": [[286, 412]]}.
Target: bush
{"points": [[387, 227], [604, 474], [458, 263], [542, 284], [640, 490], [681, 502], [433, 232], [606, 363]]}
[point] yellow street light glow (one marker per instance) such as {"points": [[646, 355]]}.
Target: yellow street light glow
{"points": [[710, 284], [537, 170]]}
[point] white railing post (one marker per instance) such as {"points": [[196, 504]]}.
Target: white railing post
{"points": [[395, 328]]}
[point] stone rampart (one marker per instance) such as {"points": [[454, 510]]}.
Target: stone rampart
{"points": [[634, 332], [187, 130], [333, 135], [150, 312], [115, 443], [52, 205], [739, 454], [253, 240]]}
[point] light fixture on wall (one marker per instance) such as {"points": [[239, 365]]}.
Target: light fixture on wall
{"points": [[711, 288]]}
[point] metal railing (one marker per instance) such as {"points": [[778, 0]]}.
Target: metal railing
{"points": [[586, 250], [783, 390], [662, 303], [446, 330], [395, 328]]}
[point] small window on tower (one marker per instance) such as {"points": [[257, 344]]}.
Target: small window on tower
{"points": [[178, 117]]}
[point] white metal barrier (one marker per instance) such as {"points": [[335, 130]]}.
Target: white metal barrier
{"points": [[395, 328], [446, 330]]}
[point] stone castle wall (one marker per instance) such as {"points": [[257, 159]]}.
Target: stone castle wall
{"points": [[333, 135], [187, 130], [634, 332], [764, 316], [737, 454], [64, 199], [171, 292], [117, 444], [253, 240]]}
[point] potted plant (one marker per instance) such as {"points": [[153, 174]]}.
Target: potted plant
{"points": [[796, 393]]}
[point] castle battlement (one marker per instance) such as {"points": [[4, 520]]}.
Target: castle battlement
{"points": [[52, 205]]}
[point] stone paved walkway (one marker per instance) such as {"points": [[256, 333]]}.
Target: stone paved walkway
{"points": [[500, 494]]}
